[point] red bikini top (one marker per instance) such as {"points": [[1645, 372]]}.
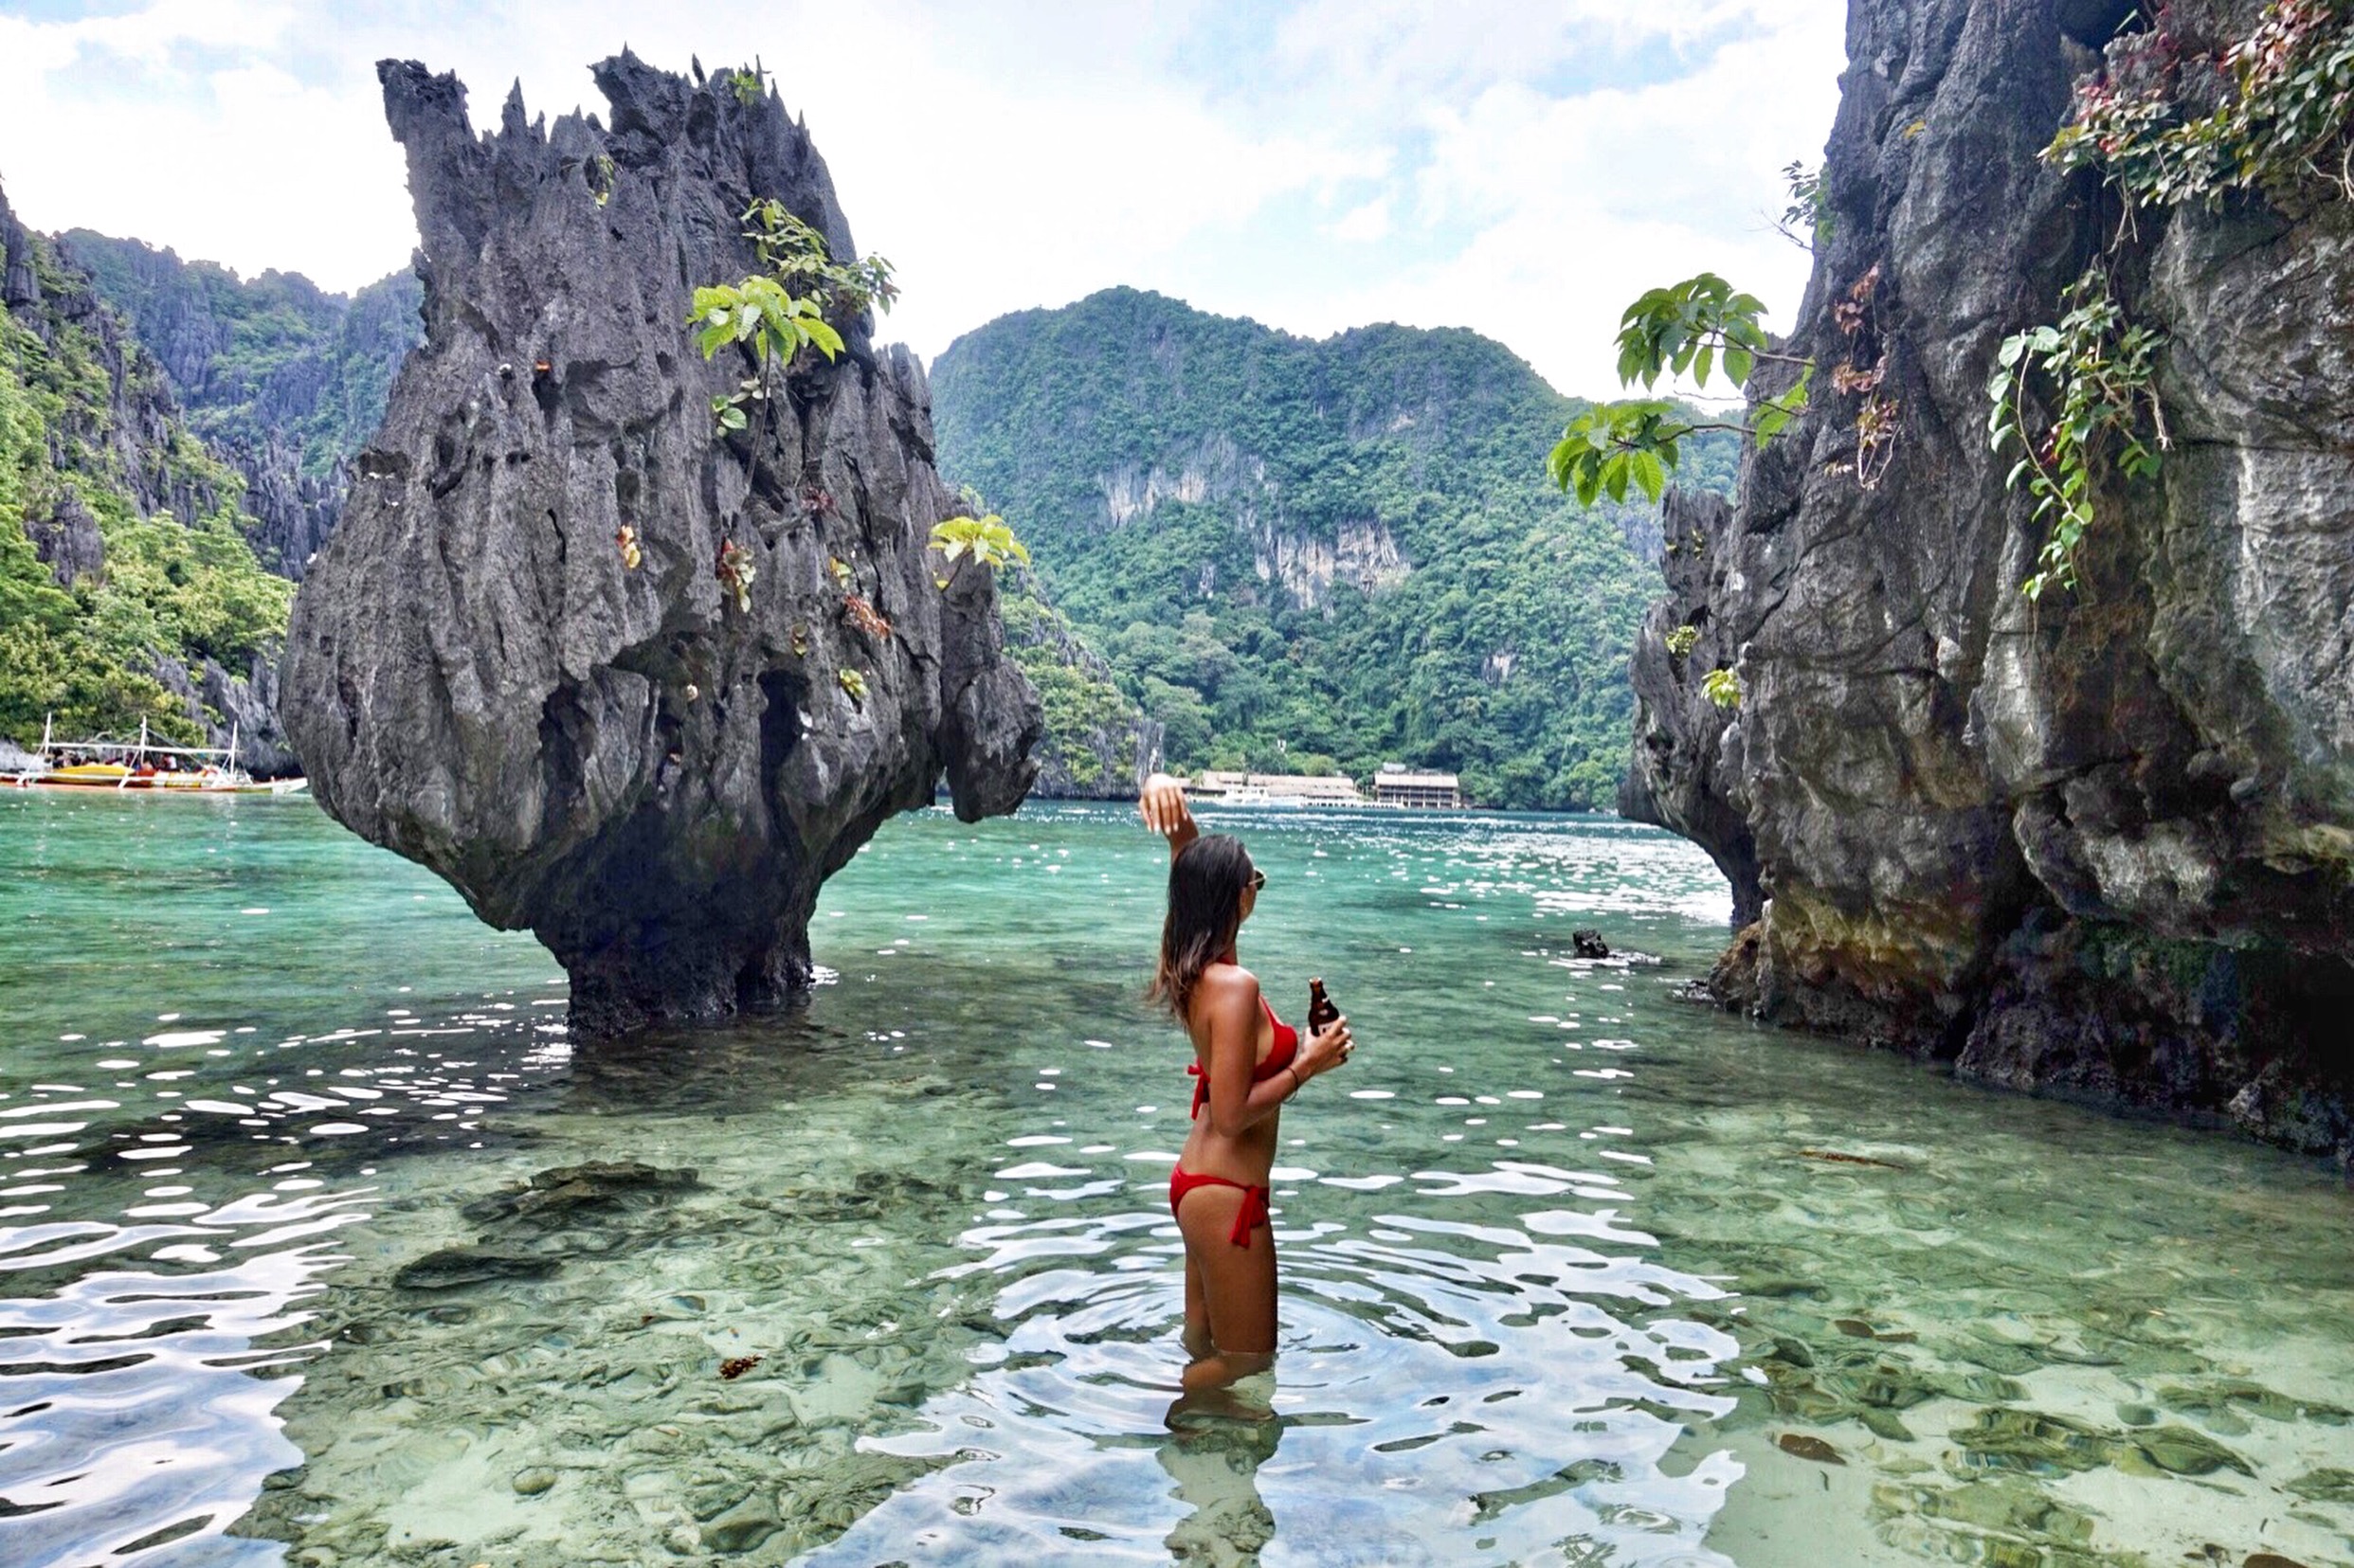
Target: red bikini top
{"points": [[1286, 1047]]}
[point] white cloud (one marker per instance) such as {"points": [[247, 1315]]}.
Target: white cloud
{"points": [[1520, 169], [1365, 224]]}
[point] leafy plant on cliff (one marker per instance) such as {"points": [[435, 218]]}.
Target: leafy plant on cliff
{"points": [[1702, 327], [2100, 370], [796, 255], [988, 540], [2164, 130], [758, 311], [2278, 122], [1722, 687], [1682, 640], [1807, 220], [784, 309]]}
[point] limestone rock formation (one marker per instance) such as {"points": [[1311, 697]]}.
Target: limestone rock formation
{"points": [[1678, 776], [2099, 846], [652, 779]]}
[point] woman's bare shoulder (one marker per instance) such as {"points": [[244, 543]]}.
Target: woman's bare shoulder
{"points": [[1226, 976], [1227, 985]]}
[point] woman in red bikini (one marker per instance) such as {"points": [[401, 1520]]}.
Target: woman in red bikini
{"points": [[1247, 1062]]}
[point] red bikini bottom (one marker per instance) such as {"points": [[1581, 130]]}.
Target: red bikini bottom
{"points": [[1253, 1210]]}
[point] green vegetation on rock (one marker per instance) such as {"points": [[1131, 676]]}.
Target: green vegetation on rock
{"points": [[92, 460], [1293, 551], [1093, 727]]}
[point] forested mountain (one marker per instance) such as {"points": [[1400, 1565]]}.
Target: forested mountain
{"points": [[283, 380], [1301, 554], [129, 586]]}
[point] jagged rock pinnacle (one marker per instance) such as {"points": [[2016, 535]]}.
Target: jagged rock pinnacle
{"points": [[651, 778]]}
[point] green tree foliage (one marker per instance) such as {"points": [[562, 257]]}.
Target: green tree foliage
{"points": [[1493, 643], [1700, 327], [1091, 724], [192, 591]]}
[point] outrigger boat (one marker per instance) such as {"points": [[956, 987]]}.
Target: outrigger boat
{"points": [[143, 764]]}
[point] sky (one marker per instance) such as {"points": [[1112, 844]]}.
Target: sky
{"points": [[1524, 168]]}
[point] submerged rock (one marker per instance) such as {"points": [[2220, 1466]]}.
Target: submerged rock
{"points": [[2099, 845], [455, 1266], [652, 776]]}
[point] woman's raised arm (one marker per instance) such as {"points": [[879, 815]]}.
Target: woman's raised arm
{"points": [[1162, 803]]}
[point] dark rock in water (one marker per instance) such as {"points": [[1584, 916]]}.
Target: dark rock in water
{"points": [[2099, 845], [1801, 1446], [651, 779], [455, 1266], [556, 1194], [1590, 944]]}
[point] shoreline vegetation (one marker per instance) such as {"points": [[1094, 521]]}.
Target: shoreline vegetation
{"points": [[1314, 556], [172, 447]]}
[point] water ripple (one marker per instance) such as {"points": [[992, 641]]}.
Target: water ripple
{"points": [[1438, 1381]]}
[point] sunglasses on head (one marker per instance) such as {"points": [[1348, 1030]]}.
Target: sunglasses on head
{"points": [[1259, 879]]}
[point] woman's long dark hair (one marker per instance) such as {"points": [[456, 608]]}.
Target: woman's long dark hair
{"points": [[1206, 882]]}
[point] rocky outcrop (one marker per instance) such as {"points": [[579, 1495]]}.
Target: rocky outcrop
{"points": [[238, 711], [292, 512], [1679, 776], [1098, 744], [2098, 845], [651, 777], [66, 536]]}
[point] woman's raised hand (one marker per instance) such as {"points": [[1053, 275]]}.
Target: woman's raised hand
{"points": [[1327, 1048], [1163, 805]]}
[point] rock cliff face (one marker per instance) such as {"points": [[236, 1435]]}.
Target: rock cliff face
{"points": [[1098, 744], [283, 379], [650, 778], [2099, 846]]}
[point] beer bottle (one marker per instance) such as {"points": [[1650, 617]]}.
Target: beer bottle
{"points": [[1320, 1009]]}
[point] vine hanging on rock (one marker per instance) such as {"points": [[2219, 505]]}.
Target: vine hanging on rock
{"points": [[2101, 371], [2164, 128]]}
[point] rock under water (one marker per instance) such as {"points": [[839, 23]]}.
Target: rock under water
{"points": [[651, 778], [2099, 845]]}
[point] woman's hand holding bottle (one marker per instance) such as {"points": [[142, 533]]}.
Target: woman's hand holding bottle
{"points": [[1327, 1049]]}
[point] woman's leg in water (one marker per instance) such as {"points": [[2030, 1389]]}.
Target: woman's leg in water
{"points": [[1197, 1339], [1237, 1288]]}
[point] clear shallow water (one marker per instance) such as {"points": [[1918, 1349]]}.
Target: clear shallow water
{"points": [[1575, 1273]]}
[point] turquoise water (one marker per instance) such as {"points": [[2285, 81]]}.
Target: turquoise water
{"points": [[1575, 1272]]}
